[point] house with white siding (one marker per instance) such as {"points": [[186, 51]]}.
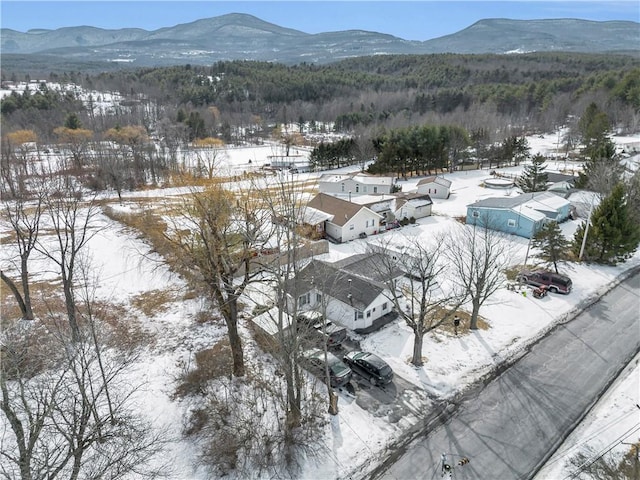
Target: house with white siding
{"points": [[345, 220], [343, 295], [355, 184], [412, 205], [435, 187]]}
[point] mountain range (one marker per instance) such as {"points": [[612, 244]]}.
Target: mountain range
{"points": [[245, 37]]}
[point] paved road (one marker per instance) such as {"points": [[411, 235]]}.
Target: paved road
{"points": [[511, 427]]}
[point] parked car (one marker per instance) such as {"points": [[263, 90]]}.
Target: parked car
{"points": [[331, 334], [339, 373], [554, 282], [370, 366]]}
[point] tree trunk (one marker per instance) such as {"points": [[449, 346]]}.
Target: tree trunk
{"points": [[333, 402], [70, 303], [16, 294], [475, 302], [28, 314], [231, 318], [418, 336]]}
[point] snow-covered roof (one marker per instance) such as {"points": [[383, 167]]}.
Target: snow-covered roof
{"points": [[531, 213], [313, 216], [435, 179], [268, 321], [546, 201]]}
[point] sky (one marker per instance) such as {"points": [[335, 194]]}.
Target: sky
{"points": [[410, 20]]}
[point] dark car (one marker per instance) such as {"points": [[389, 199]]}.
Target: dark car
{"points": [[324, 330], [370, 366], [339, 373], [554, 282]]}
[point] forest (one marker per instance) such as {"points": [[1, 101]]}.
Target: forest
{"points": [[530, 93]]}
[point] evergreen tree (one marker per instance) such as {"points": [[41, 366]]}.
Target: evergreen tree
{"points": [[534, 177], [613, 235], [553, 245], [72, 122], [601, 170]]}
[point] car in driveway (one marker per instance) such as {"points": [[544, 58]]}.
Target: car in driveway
{"points": [[554, 282], [369, 366], [339, 373]]}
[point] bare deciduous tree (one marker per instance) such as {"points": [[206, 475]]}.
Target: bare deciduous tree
{"points": [[419, 298], [71, 219], [58, 424], [478, 256], [223, 233], [24, 218]]}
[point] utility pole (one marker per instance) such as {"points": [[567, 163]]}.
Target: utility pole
{"points": [[586, 230]]}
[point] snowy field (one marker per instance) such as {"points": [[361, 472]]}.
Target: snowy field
{"points": [[126, 268]]}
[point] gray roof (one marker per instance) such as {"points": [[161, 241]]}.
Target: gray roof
{"points": [[339, 284], [372, 266]]}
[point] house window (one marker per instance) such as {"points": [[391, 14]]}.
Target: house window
{"points": [[351, 227], [384, 306], [511, 222], [375, 189], [475, 214], [429, 190], [357, 188], [368, 313], [304, 299], [318, 297], [342, 187], [435, 190], [357, 315]]}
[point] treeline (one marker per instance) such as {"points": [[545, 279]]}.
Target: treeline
{"points": [[503, 94], [355, 91]]}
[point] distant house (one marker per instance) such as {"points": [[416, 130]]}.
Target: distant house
{"points": [[295, 163], [412, 205], [561, 184], [523, 215], [354, 184], [345, 297], [346, 220], [435, 187], [397, 206]]}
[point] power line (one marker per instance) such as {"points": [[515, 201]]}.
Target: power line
{"points": [[602, 453]]}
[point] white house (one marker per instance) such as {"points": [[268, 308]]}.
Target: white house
{"points": [[435, 187], [397, 206], [345, 297], [354, 184], [346, 220], [412, 205]]}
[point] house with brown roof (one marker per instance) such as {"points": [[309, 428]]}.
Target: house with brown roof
{"points": [[435, 187], [346, 220]]}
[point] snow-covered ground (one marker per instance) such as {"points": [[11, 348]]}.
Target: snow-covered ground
{"points": [[126, 267]]}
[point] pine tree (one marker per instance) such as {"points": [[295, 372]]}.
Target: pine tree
{"points": [[534, 178], [613, 234], [553, 245], [72, 122]]}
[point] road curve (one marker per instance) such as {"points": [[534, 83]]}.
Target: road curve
{"points": [[512, 426]]}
